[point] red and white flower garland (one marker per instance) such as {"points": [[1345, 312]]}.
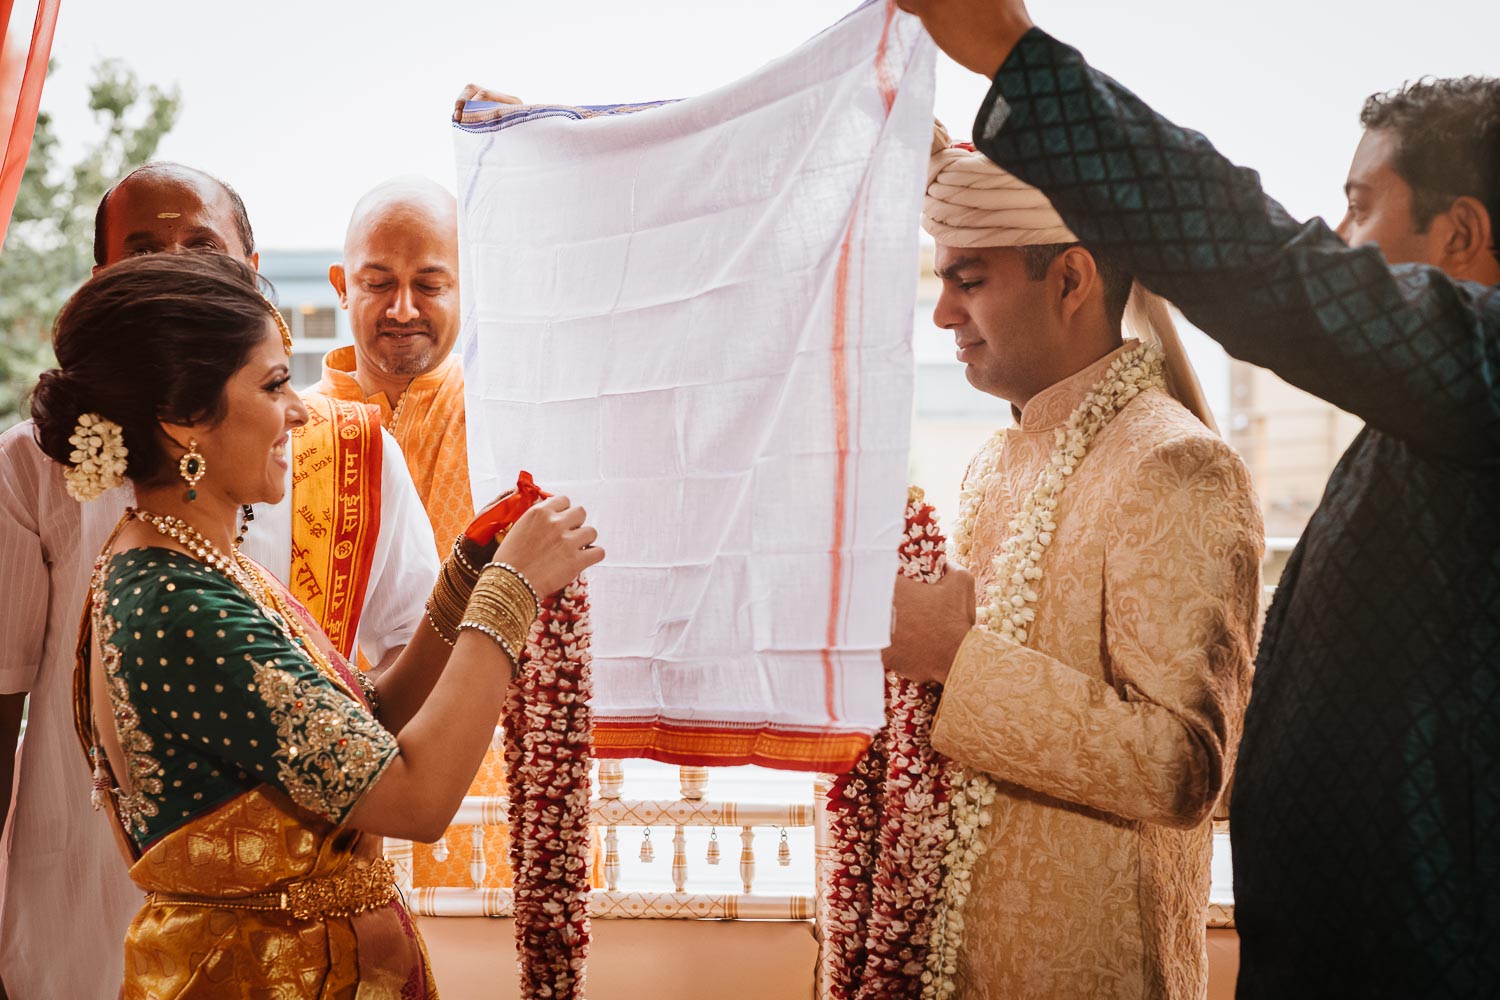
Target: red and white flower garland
{"points": [[888, 823], [548, 726]]}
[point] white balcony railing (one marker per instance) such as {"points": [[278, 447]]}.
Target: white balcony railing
{"points": [[730, 843], [708, 835]]}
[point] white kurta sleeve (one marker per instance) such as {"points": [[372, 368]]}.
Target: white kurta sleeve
{"points": [[23, 567], [404, 567]]}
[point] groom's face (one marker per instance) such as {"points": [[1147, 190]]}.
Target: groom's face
{"points": [[998, 316]]}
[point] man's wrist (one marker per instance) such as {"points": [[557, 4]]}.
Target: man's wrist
{"points": [[1010, 36]]}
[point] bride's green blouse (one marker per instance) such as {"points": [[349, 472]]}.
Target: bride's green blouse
{"points": [[211, 698]]}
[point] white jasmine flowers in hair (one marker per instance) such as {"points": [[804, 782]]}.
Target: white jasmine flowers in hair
{"points": [[97, 462]]}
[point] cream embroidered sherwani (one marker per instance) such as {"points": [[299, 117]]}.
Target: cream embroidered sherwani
{"points": [[1112, 732]]}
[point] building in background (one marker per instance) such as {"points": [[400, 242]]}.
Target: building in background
{"points": [[309, 305]]}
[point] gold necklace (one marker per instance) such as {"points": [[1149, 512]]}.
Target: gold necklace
{"points": [[244, 574]]}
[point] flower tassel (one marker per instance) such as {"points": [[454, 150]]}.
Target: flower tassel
{"points": [[103, 785]]}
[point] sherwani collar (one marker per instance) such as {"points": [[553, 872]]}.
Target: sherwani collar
{"points": [[1050, 408]]}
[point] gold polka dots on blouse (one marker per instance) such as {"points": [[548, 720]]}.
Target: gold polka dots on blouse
{"points": [[212, 698]]}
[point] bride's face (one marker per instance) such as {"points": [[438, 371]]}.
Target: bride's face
{"points": [[248, 452]]}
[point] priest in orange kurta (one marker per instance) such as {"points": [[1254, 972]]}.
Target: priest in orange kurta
{"points": [[399, 282], [1102, 693]]}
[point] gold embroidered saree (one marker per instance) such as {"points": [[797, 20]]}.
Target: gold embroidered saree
{"points": [[243, 760]]}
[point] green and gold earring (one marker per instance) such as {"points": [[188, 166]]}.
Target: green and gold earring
{"points": [[192, 467]]}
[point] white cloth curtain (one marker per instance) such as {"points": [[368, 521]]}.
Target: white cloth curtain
{"points": [[695, 318]]}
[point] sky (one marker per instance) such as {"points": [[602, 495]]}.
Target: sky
{"points": [[302, 106]]}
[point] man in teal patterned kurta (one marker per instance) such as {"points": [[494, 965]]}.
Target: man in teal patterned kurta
{"points": [[1367, 802]]}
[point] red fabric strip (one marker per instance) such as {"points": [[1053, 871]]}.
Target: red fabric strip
{"points": [[782, 750], [502, 515], [23, 122]]}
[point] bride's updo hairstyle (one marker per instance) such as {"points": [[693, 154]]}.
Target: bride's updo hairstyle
{"points": [[150, 339]]}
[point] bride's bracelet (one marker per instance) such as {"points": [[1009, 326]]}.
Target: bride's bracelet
{"points": [[503, 607], [446, 604], [469, 569], [536, 602]]}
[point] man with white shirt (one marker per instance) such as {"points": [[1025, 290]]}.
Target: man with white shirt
{"points": [[351, 539]]}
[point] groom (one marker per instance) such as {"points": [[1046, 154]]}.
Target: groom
{"points": [[1115, 545]]}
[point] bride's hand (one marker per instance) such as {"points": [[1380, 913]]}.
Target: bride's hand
{"points": [[552, 544]]}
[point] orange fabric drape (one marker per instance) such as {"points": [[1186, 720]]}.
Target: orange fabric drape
{"points": [[22, 72]]}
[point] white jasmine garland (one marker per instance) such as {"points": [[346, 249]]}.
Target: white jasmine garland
{"points": [[1008, 610], [97, 462]]}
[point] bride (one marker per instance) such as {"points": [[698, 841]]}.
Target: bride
{"points": [[251, 769]]}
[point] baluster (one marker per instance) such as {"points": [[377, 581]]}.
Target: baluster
{"points": [[747, 856], [476, 856], [693, 781], [440, 849], [612, 857], [679, 859], [611, 778]]}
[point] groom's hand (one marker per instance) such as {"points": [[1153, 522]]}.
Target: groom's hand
{"points": [[929, 622], [977, 34]]}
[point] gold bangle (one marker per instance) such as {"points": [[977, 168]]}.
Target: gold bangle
{"points": [[469, 569], [439, 626], [503, 608], [450, 596], [514, 657], [536, 602], [508, 611]]}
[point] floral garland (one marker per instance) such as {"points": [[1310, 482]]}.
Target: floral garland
{"points": [[97, 462], [854, 807], [1009, 611], [887, 824], [548, 724]]}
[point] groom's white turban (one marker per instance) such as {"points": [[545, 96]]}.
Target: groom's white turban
{"points": [[971, 202]]}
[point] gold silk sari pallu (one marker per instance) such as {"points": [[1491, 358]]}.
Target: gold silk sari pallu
{"points": [[255, 895], [331, 925]]}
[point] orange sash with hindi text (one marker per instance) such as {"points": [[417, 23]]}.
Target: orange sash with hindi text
{"points": [[336, 464]]}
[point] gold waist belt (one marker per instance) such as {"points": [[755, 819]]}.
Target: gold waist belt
{"points": [[355, 889]]}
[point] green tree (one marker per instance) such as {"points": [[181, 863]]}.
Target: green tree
{"points": [[48, 250]]}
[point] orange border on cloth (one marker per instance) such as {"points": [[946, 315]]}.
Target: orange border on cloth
{"points": [[840, 392], [336, 465], [784, 750]]}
